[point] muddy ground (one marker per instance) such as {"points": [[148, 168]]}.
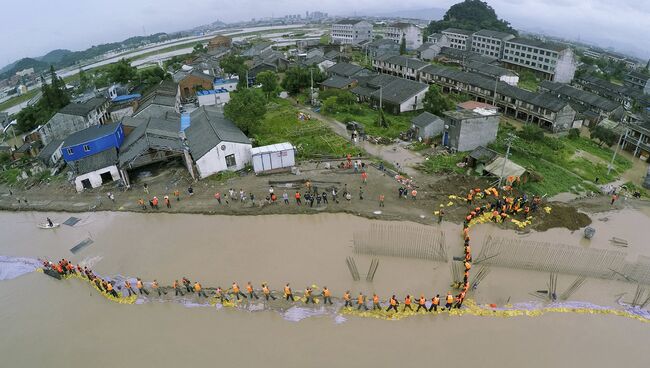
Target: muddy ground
{"points": [[433, 190]]}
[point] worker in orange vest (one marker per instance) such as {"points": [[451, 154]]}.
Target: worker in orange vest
{"points": [[287, 293], [308, 296], [435, 302], [449, 300], [298, 198], [156, 287], [468, 266], [393, 304], [251, 292], [422, 303], [267, 292], [407, 303], [414, 194], [327, 295], [236, 291], [361, 301], [375, 302], [177, 288], [346, 297], [140, 287], [109, 289], [199, 290], [459, 299]]}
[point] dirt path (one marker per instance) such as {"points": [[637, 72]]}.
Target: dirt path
{"points": [[396, 154]]}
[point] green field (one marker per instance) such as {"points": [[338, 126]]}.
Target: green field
{"points": [[18, 99], [369, 118], [559, 166], [313, 138]]}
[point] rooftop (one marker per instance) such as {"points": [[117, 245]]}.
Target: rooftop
{"points": [[94, 162], [151, 133], [349, 21], [49, 149], [336, 81], [483, 154], [464, 114], [405, 62], [580, 95], [458, 31], [344, 69], [83, 109], [399, 90], [208, 127], [90, 134], [425, 119], [494, 34], [489, 69], [538, 43]]}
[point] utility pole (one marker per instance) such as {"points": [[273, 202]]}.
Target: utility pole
{"points": [[496, 83], [311, 89], [620, 139], [246, 78], [380, 107], [510, 138]]}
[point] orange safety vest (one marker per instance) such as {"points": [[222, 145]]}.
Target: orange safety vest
{"points": [[175, 285], [375, 299], [139, 284], [287, 290], [307, 292], [360, 299], [127, 284], [297, 195], [468, 266], [414, 192], [346, 296], [249, 288], [393, 302], [422, 301], [435, 300], [265, 290], [326, 292], [154, 285], [450, 298], [109, 287], [197, 286], [235, 288], [407, 300]]}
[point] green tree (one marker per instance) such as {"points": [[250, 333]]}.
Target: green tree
{"points": [[54, 97], [298, 78], [604, 135], [122, 72], [531, 133], [269, 82], [246, 108], [150, 77], [402, 46], [84, 80], [231, 64], [472, 15], [435, 102], [330, 105], [198, 49]]}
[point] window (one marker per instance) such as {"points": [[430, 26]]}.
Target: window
{"points": [[69, 150], [86, 148], [230, 161]]}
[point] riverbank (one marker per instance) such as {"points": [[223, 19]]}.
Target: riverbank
{"points": [[433, 192]]}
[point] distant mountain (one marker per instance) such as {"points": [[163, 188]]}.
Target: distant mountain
{"points": [[25, 63], [54, 56], [424, 14]]}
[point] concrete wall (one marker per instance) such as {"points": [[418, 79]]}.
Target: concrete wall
{"points": [[215, 160], [95, 177], [117, 115], [431, 130], [566, 66], [564, 119], [189, 85], [468, 134], [60, 126], [416, 101], [214, 99]]}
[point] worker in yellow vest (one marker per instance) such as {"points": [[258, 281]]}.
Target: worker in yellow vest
{"points": [[177, 288], [156, 287], [308, 296], [127, 286], [220, 294]]}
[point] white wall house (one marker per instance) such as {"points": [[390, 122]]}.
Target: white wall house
{"points": [[213, 97], [227, 84], [411, 33], [351, 32], [215, 143], [97, 178]]}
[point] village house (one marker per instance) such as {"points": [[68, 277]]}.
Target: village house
{"points": [[410, 33], [382, 46], [215, 143], [465, 130], [397, 95], [164, 98], [351, 32], [431, 49], [427, 125], [219, 41], [92, 155], [51, 154], [400, 66], [122, 106], [193, 82], [73, 118]]}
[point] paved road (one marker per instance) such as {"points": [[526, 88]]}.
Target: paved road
{"points": [[396, 153]]}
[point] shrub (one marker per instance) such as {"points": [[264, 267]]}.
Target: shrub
{"points": [[574, 133]]}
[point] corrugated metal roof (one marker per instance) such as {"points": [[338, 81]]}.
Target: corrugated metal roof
{"points": [[511, 169], [279, 147], [90, 134], [95, 162]]}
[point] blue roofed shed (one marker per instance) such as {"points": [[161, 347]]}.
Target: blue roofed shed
{"points": [[91, 141]]}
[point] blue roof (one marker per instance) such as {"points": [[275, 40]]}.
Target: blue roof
{"points": [[225, 81], [206, 92], [91, 134], [185, 121], [127, 97]]}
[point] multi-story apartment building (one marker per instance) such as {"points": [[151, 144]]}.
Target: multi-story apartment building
{"points": [[490, 43], [639, 81], [458, 38], [551, 61], [351, 32], [400, 66], [411, 34]]}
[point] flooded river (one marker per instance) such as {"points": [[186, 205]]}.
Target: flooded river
{"points": [[66, 323]]}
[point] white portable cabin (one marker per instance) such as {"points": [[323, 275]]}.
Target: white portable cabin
{"points": [[274, 157]]}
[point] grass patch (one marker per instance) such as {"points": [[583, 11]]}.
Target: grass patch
{"points": [[19, 99], [443, 164], [223, 176], [9, 176], [313, 138], [369, 118], [528, 81], [554, 166]]}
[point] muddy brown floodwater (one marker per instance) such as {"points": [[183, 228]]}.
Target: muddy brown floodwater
{"points": [[67, 324]]}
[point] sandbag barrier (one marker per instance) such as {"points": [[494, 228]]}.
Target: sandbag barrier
{"points": [[460, 307]]}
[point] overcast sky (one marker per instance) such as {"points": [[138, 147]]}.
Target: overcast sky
{"points": [[34, 27]]}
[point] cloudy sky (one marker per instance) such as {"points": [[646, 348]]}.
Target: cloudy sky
{"points": [[34, 27]]}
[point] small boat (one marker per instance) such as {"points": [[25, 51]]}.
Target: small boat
{"points": [[589, 232], [618, 241], [47, 226], [52, 273]]}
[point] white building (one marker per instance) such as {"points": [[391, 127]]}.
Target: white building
{"points": [[490, 43], [458, 38], [96, 170], [213, 97], [411, 34], [554, 62], [351, 32], [215, 143], [25, 72], [273, 158], [227, 84]]}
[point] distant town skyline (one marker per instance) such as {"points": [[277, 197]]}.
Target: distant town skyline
{"points": [[39, 26]]}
